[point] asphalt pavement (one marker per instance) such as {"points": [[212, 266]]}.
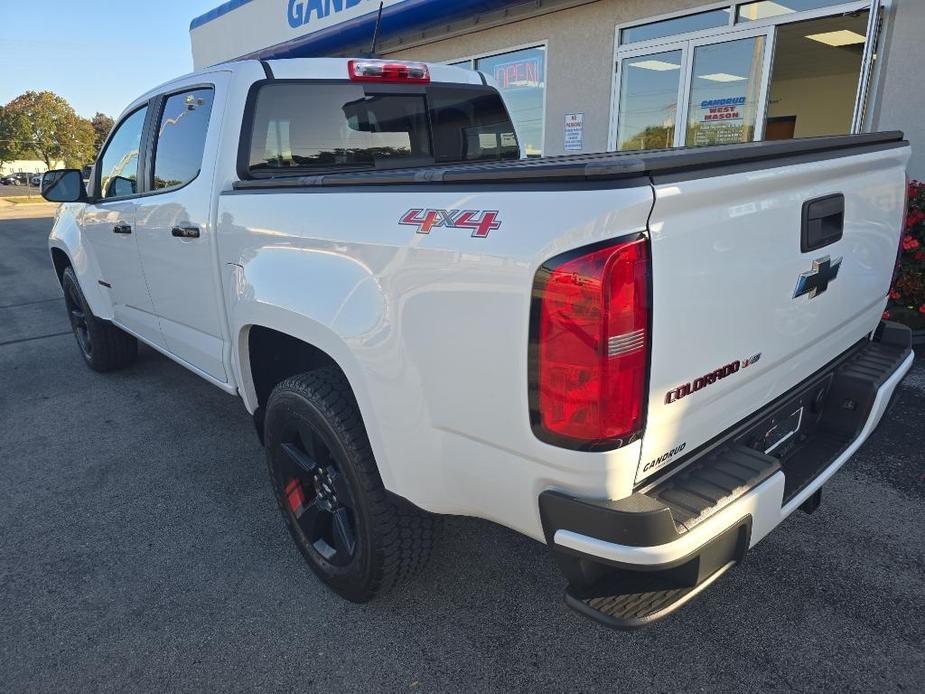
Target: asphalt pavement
{"points": [[141, 550]]}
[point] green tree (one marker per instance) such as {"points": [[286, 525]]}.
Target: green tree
{"points": [[45, 125], [7, 146], [102, 124]]}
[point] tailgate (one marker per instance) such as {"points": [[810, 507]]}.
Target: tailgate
{"points": [[761, 275]]}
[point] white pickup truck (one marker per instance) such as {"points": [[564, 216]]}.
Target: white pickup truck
{"points": [[646, 360]]}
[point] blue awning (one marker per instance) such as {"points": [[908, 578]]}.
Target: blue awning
{"points": [[397, 19]]}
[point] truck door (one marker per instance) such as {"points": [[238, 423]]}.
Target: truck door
{"points": [[108, 224], [173, 226]]}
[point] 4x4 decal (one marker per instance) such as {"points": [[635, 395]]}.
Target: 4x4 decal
{"points": [[479, 221]]}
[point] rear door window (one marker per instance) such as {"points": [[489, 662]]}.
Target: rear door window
{"points": [[181, 138], [300, 127]]}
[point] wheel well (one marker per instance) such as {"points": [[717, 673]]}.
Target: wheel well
{"points": [[274, 357], [61, 261]]}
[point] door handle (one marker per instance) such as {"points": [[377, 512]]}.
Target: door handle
{"points": [[122, 229], [823, 222], [185, 232]]}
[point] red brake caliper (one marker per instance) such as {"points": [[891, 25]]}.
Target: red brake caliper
{"points": [[295, 496]]}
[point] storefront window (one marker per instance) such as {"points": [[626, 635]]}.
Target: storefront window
{"points": [[764, 9], [722, 85], [676, 25], [521, 78], [649, 101], [814, 77], [725, 88]]}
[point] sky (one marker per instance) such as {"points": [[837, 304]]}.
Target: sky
{"points": [[97, 54]]}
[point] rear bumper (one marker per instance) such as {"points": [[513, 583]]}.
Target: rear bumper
{"points": [[632, 561]]}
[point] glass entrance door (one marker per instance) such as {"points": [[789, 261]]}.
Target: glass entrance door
{"points": [[726, 91]]}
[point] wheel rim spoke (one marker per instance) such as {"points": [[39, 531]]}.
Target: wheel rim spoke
{"points": [[302, 460], [343, 536], [307, 516]]}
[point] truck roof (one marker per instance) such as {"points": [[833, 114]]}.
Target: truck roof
{"points": [[314, 68]]}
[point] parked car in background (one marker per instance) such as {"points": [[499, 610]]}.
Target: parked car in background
{"points": [[35, 180], [9, 180], [646, 360]]}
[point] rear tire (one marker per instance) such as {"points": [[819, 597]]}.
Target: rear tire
{"points": [[356, 537], [103, 346]]}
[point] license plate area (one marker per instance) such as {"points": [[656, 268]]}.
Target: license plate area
{"points": [[790, 423], [785, 429]]}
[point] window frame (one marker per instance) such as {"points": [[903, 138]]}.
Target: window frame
{"points": [[160, 102], [544, 44]]}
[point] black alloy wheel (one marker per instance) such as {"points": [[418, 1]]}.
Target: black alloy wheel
{"points": [[103, 346], [317, 494], [77, 313], [358, 538]]}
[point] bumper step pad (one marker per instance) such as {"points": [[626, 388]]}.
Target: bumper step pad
{"points": [[710, 484]]}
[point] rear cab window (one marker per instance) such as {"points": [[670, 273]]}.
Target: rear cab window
{"points": [[299, 127]]}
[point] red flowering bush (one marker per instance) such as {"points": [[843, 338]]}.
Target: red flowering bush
{"points": [[907, 295]]}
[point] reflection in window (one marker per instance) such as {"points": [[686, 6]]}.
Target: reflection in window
{"points": [[181, 138], [725, 86], [648, 101], [814, 77], [677, 25], [521, 77], [764, 9], [119, 163], [316, 127]]}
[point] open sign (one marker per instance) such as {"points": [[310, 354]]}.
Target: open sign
{"points": [[520, 74]]}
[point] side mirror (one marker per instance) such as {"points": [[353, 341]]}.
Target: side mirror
{"points": [[63, 185]]}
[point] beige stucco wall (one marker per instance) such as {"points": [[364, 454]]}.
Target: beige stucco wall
{"points": [[579, 70], [900, 101]]}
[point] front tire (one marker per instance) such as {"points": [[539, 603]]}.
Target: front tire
{"points": [[103, 346], [355, 536]]}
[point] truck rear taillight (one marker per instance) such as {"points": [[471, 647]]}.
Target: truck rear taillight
{"points": [[387, 71], [590, 346]]}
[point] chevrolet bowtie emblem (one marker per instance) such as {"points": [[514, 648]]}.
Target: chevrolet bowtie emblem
{"points": [[817, 280]]}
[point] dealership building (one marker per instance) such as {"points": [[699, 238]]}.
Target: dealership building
{"points": [[615, 75]]}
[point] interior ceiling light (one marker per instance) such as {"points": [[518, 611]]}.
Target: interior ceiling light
{"points": [[842, 37], [763, 10], [659, 65], [722, 77]]}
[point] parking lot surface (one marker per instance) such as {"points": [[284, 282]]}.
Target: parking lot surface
{"points": [[141, 550]]}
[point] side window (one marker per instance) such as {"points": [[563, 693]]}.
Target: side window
{"points": [[181, 138], [119, 163]]}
